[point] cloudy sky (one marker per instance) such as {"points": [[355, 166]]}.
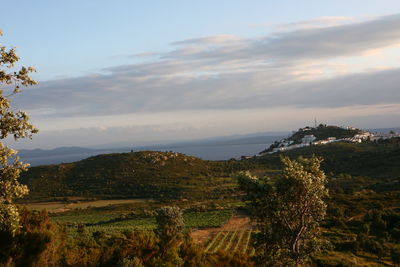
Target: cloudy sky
{"points": [[151, 71]]}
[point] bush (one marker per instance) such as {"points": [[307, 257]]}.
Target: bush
{"points": [[37, 243]]}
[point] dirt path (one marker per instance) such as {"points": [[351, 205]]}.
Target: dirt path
{"points": [[237, 222]]}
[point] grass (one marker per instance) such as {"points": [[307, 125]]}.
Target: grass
{"points": [[133, 224], [90, 218], [63, 206], [207, 219], [103, 219]]}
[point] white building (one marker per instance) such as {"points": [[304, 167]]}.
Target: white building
{"points": [[308, 138]]}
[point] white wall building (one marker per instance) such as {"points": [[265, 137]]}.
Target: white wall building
{"points": [[308, 138]]}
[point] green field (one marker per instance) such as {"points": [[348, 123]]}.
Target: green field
{"points": [[95, 219]]}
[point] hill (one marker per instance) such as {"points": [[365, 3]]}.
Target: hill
{"points": [[323, 132], [217, 148], [146, 174], [372, 159], [37, 157], [307, 135], [168, 175]]}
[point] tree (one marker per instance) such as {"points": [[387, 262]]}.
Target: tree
{"points": [[12, 123], [169, 224], [169, 230], [287, 210]]}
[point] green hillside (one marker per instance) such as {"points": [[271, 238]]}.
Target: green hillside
{"points": [[372, 159], [167, 175], [147, 174], [363, 214]]}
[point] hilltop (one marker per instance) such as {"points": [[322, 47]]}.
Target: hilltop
{"points": [[325, 134], [146, 174]]}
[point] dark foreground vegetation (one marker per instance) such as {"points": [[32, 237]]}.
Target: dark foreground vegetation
{"points": [[43, 243]]}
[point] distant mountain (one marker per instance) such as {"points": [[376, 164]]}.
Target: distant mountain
{"points": [[252, 138], [218, 148], [37, 157], [384, 130], [215, 148], [55, 151]]}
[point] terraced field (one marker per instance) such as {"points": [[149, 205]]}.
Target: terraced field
{"points": [[232, 241]]}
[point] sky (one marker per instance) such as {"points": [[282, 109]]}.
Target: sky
{"points": [[157, 71]]}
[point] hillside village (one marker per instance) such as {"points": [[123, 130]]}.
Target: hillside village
{"points": [[311, 136]]}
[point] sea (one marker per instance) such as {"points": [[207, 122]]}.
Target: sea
{"points": [[206, 152]]}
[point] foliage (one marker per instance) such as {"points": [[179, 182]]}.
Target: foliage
{"points": [[37, 243], [371, 159], [146, 174], [12, 123], [207, 219], [169, 226], [288, 211], [43, 243], [102, 219]]}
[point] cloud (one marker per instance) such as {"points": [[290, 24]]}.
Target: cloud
{"points": [[225, 72], [321, 22], [146, 54], [217, 39], [180, 126]]}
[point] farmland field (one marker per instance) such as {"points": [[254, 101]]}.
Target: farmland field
{"points": [[102, 219], [232, 241], [63, 206]]}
